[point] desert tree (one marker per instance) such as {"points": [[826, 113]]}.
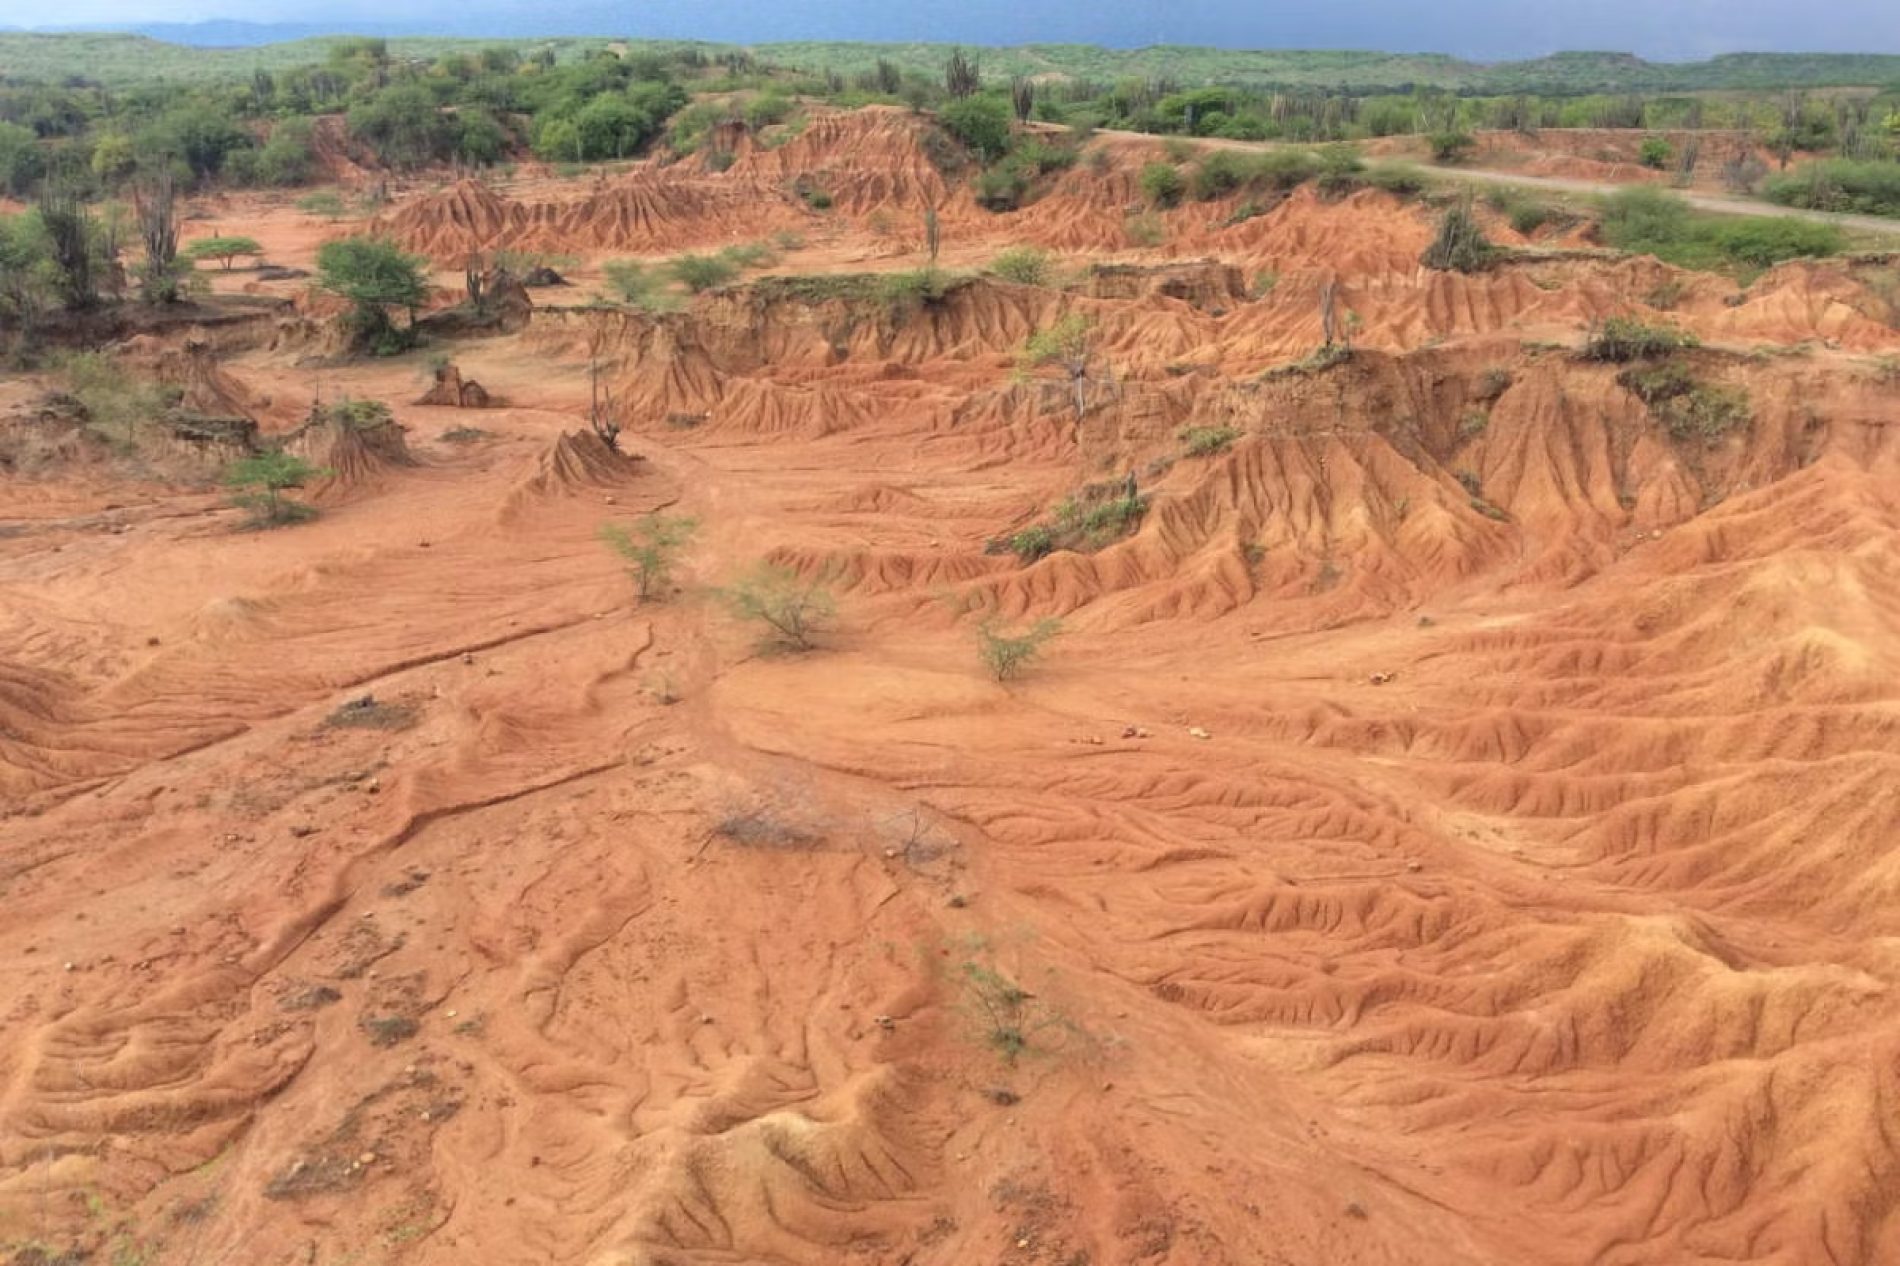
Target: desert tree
{"points": [[225, 250], [374, 275]]}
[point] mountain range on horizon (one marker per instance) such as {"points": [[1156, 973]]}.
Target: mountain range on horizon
{"points": [[1474, 30]]}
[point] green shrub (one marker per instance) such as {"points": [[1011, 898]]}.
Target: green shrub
{"points": [[638, 286], [1623, 339], [1655, 153], [1033, 542], [1206, 441], [791, 610], [750, 255], [980, 122], [261, 482], [1161, 184], [1450, 146], [1006, 655], [1000, 188], [1398, 179], [1219, 173], [1707, 413], [1654, 222], [1840, 184], [702, 272], [1025, 265], [651, 550]]}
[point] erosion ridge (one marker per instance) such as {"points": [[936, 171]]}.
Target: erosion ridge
{"points": [[1452, 825]]}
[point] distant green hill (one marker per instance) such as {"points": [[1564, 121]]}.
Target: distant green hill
{"points": [[121, 60]]}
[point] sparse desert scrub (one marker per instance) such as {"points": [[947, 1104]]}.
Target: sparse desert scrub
{"points": [[1008, 654], [790, 610]]}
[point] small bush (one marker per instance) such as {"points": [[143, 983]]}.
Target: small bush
{"points": [[1006, 655], [1450, 146], [1493, 384], [1207, 441], [651, 550], [1161, 184], [1219, 173], [1623, 339], [702, 272], [261, 482], [981, 123], [635, 284], [1000, 188], [791, 610], [327, 203], [1033, 542], [1655, 153], [1397, 179], [1025, 265], [1473, 424], [750, 255]]}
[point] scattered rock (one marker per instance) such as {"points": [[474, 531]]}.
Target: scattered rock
{"points": [[1195, 731]]}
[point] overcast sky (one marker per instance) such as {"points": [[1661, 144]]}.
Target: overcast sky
{"points": [[1480, 28]]}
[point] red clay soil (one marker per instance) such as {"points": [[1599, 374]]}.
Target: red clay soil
{"points": [[1455, 828]]}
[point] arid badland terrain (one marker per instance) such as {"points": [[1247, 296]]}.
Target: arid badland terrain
{"points": [[1454, 824]]}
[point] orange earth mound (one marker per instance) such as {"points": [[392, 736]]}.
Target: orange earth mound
{"points": [[1455, 828]]}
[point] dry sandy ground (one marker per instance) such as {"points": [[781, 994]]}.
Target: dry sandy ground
{"points": [[1456, 829]]}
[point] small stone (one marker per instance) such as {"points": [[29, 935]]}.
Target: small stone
{"points": [[367, 1158], [69, 966], [1195, 731], [1415, 866], [450, 1014], [1023, 1243], [468, 657]]}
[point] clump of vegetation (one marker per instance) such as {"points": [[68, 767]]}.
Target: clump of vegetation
{"points": [[1025, 265], [261, 481], [115, 401], [1869, 187], [1145, 229], [375, 276], [1398, 179], [1035, 541], [980, 122], [327, 203], [702, 272], [1450, 146], [1473, 424], [1651, 221], [225, 250], [1010, 1016], [1654, 153], [358, 415], [1687, 408], [651, 550], [1622, 339], [791, 609], [1069, 344], [638, 286], [1161, 184], [1207, 441], [1007, 654], [1460, 245]]}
